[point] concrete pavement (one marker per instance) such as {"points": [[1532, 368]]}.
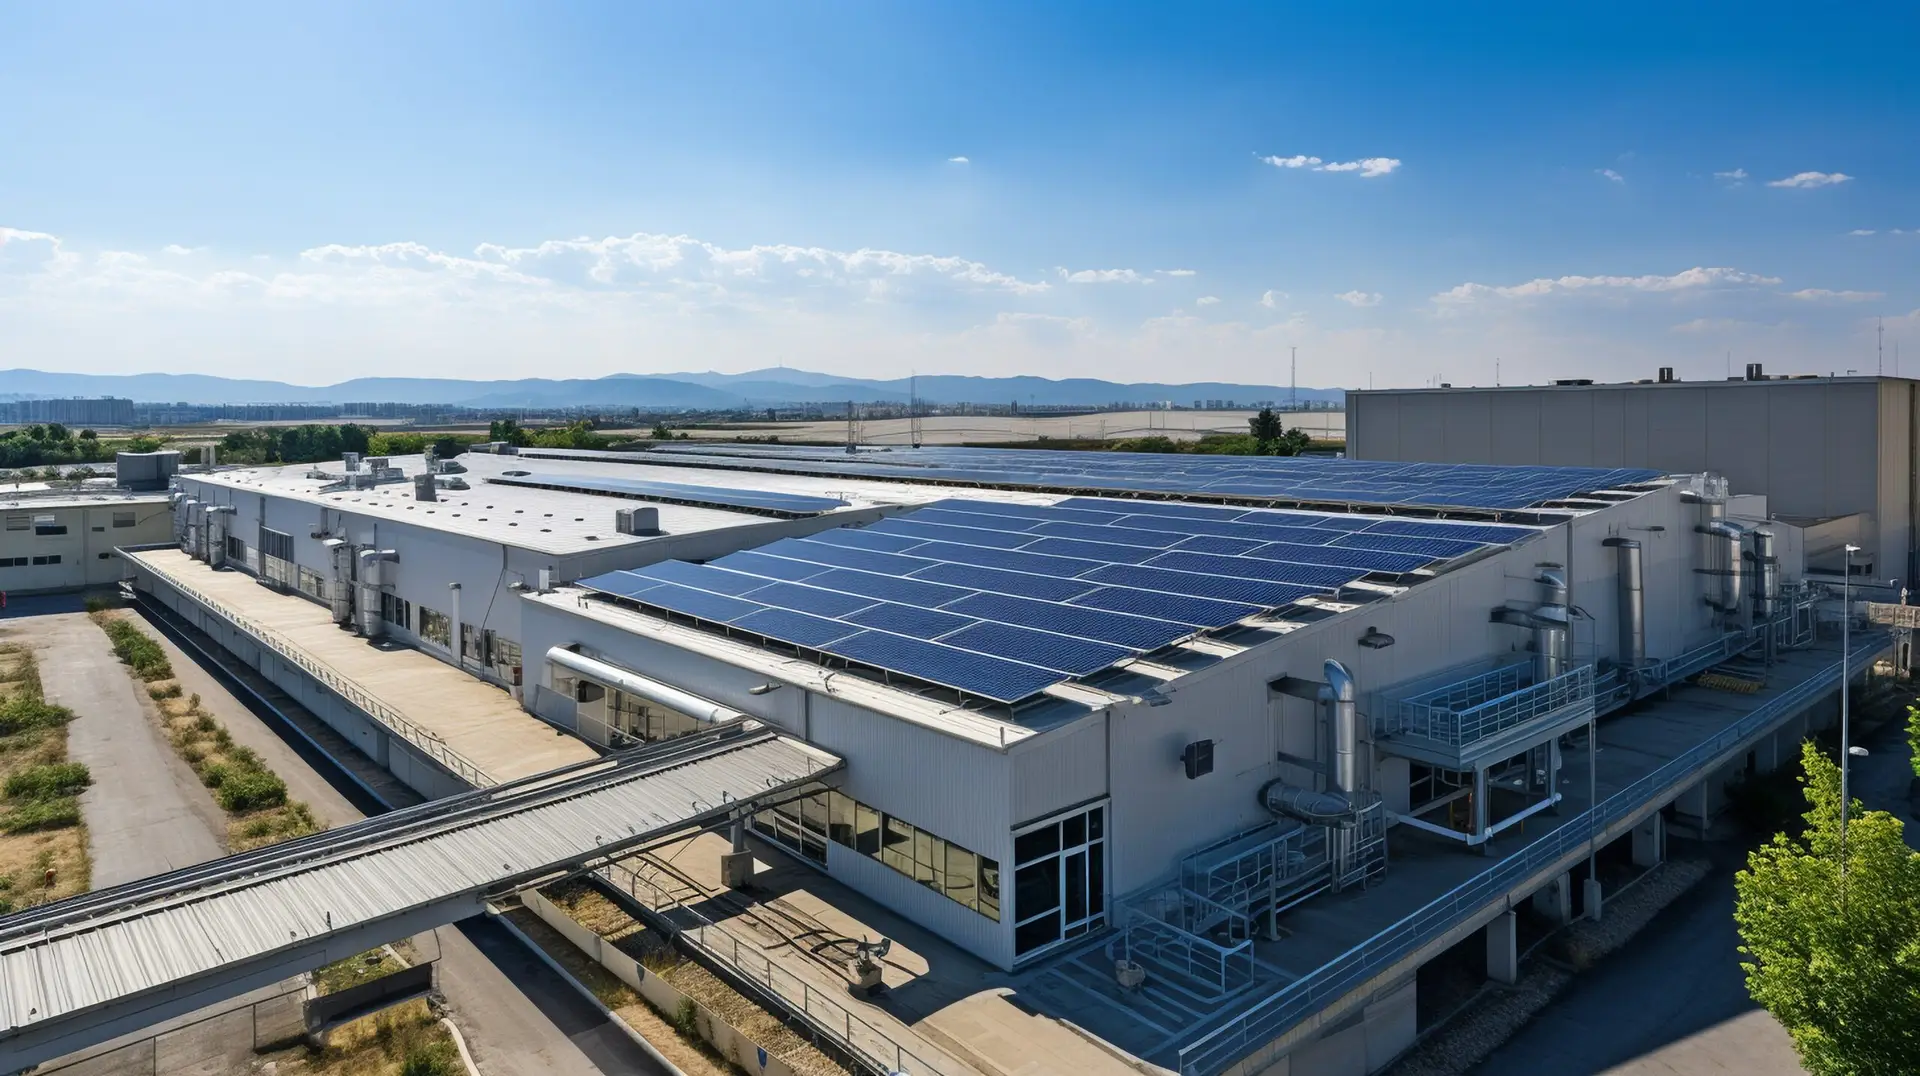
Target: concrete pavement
{"points": [[146, 812]]}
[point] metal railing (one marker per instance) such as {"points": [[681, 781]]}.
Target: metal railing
{"points": [[1470, 710], [426, 741], [872, 1047], [1266, 1020]]}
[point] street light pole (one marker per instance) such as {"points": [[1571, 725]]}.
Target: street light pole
{"points": [[1846, 752]]}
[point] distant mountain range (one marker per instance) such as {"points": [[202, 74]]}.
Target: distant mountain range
{"points": [[691, 391]]}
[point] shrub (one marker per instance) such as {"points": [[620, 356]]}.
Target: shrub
{"points": [[26, 710], [41, 814], [40, 782], [250, 790], [205, 722], [171, 691], [428, 1059], [138, 650]]}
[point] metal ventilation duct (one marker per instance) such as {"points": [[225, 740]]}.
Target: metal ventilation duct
{"points": [[1630, 576], [1551, 622], [703, 710]]}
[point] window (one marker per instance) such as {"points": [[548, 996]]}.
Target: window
{"points": [[800, 825], [396, 610], [236, 549], [635, 720], [960, 875], [1059, 880], [18, 523], [13, 562], [53, 559], [473, 644], [312, 584], [435, 627], [122, 520], [48, 526], [272, 544]]}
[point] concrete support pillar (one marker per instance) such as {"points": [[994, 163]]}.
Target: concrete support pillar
{"points": [[1503, 949], [1590, 898], [1650, 841], [453, 624], [1555, 899], [1553, 772], [736, 866]]}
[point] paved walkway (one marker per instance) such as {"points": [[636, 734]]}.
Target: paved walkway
{"points": [[146, 812]]}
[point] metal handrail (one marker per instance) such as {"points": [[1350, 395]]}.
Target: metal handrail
{"points": [[1264, 1021], [873, 1048], [427, 741], [1470, 710]]}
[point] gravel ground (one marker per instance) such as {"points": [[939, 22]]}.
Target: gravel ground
{"points": [[1500, 1011]]}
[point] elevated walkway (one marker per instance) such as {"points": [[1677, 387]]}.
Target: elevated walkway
{"points": [[84, 970]]}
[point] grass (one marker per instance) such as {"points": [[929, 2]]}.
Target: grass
{"points": [[406, 1040], [135, 647], [258, 808], [364, 967], [43, 845]]}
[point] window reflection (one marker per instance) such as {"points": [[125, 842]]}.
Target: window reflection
{"points": [[959, 874]]}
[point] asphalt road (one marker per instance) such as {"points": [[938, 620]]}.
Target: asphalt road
{"points": [[146, 812], [518, 1017]]}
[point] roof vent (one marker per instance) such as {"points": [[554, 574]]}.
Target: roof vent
{"points": [[642, 521], [1666, 375], [423, 488], [351, 460], [1755, 373]]}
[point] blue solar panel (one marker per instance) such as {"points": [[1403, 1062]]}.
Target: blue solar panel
{"points": [[1254, 568], [772, 567], [621, 584], [792, 627], [1465, 532], [843, 557], [979, 674], [1102, 551], [754, 500], [1226, 528], [1174, 509], [1196, 612], [1371, 560], [909, 620], [867, 538], [1393, 543], [1210, 543], [1075, 657], [1135, 632], [1249, 591], [889, 587], [954, 518], [698, 603], [701, 576], [808, 599], [938, 532], [1011, 560], [1160, 539], [1046, 588], [1062, 512]]}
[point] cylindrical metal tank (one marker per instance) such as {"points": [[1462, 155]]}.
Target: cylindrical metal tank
{"points": [[1766, 577], [1631, 582], [1552, 647]]}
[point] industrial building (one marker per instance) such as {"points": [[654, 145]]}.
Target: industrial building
{"points": [[78, 411], [1204, 757], [1836, 456], [58, 539]]}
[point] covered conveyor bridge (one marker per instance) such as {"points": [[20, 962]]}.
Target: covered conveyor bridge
{"points": [[85, 970]]}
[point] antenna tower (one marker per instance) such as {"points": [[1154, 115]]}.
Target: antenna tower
{"points": [[913, 409], [853, 428], [1880, 345], [1293, 376]]}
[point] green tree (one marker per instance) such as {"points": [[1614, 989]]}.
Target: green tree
{"points": [[1835, 955], [661, 432], [143, 443], [1265, 426], [57, 432], [448, 447], [89, 435], [355, 438], [506, 429]]}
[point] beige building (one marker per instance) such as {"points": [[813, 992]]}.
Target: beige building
{"points": [[63, 540], [1835, 455]]}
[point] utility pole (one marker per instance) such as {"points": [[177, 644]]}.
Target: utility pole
{"points": [[1496, 371]]}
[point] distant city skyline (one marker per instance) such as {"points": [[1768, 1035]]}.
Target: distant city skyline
{"points": [[1132, 193]]}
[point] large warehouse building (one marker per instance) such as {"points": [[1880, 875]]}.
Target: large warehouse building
{"points": [[1203, 757], [1837, 456]]}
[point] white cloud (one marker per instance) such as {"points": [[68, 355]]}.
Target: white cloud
{"points": [[1176, 272], [1823, 295], [1811, 179], [1206, 300], [958, 160], [1272, 299], [1359, 298], [1104, 276], [179, 251], [1688, 280], [1733, 177], [1368, 167], [1610, 174], [1861, 231]]}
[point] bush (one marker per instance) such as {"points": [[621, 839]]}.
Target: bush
{"points": [[171, 691], [215, 775], [40, 782], [250, 790], [41, 814], [138, 650], [432, 1059], [26, 710]]}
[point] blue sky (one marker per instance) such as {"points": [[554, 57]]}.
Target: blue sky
{"points": [[1138, 192]]}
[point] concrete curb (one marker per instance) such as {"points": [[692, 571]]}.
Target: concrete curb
{"points": [[567, 976], [460, 1043]]}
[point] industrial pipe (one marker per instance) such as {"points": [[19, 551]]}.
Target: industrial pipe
{"points": [[1766, 582], [1346, 728], [703, 710], [1552, 650], [1319, 808], [1731, 538], [1630, 576]]}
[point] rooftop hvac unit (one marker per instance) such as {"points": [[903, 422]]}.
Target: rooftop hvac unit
{"points": [[377, 463], [546, 580], [423, 488], [1572, 381], [1666, 375], [351, 460], [1755, 372], [637, 520]]}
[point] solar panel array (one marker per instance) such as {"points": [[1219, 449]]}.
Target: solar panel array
{"points": [[1302, 479], [792, 505], [1004, 600]]}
